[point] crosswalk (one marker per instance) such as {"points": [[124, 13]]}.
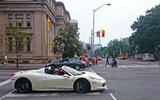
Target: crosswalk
{"points": [[14, 94], [138, 66]]}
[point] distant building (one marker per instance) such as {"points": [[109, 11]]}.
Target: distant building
{"points": [[74, 23], [32, 17]]}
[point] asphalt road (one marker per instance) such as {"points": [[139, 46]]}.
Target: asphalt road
{"points": [[132, 80]]}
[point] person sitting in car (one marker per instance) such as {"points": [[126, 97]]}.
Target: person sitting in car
{"points": [[56, 71]]}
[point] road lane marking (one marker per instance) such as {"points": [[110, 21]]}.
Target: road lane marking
{"points": [[6, 95], [32, 94], [5, 82], [113, 97], [13, 95], [92, 70]]}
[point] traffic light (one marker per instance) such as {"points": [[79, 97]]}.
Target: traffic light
{"points": [[88, 47], [53, 45], [103, 33], [98, 34], [49, 26]]}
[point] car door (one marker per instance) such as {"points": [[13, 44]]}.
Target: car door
{"points": [[58, 82]]}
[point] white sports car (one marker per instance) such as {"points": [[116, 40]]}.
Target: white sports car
{"points": [[68, 79]]}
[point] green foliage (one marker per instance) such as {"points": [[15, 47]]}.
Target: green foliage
{"points": [[113, 48], [67, 42], [19, 37], [59, 41], [146, 36]]}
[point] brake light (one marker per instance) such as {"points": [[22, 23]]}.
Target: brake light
{"points": [[13, 74]]}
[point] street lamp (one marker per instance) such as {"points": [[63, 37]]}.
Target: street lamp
{"points": [[92, 35]]}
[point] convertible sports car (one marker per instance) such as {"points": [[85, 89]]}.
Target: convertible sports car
{"points": [[47, 79], [72, 62]]}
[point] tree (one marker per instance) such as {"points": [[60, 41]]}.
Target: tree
{"points": [[146, 36], [18, 43], [67, 43], [114, 48]]}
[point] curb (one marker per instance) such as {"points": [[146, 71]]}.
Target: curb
{"points": [[21, 67]]}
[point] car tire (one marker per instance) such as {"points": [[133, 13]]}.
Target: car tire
{"points": [[23, 85], [77, 67], [82, 86]]}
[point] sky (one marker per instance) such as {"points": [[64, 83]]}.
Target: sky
{"points": [[115, 19]]}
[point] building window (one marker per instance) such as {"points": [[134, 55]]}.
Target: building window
{"points": [[10, 43], [28, 44], [28, 18], [19, 20], [10, 19], [19, 45]]}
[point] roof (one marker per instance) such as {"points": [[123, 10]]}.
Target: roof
{"points": [[73, 21]]}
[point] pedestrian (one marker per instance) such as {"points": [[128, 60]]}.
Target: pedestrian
{"points": [[96, 60], [114, 62], [87, 61], [107, 61], [5, 60], [83, 59]]}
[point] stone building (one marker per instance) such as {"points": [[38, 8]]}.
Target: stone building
{"points": [[32, 17]]}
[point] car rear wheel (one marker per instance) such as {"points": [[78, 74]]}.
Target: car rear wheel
{"points": [[23, 86], [77, 67], [82, 86]]}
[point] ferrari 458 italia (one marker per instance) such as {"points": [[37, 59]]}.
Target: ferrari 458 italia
{"points": [[57, 79]]}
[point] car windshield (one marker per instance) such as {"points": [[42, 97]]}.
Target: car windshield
{"points": [[72, 60], [72, 71]]}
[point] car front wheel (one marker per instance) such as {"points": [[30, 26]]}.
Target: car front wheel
{"points": [[82, 86]]}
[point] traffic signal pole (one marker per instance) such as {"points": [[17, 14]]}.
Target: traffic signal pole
{"points": [[92, 35]]}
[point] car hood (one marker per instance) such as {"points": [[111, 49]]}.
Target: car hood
{"points": [[92, 75]]}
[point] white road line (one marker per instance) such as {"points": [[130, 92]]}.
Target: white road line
{"points": [[5, 82], [6, 95], [113, 97], [29, 95], [92, 70], [96, 93]]}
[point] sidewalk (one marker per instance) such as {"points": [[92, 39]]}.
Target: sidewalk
{"points": [[21, 66]]}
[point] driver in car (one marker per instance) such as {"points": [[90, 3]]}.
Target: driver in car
{"points": [[56, 71]]}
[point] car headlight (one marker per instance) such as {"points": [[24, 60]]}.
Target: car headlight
{"points": [[94, 78]]}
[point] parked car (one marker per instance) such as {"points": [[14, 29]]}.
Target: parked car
{"points": [[122, 57], [43, 80], [72, 62], [148, 57], [99, 58]]}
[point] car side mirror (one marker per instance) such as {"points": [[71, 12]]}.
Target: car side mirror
{"points": [[66, 75]]}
